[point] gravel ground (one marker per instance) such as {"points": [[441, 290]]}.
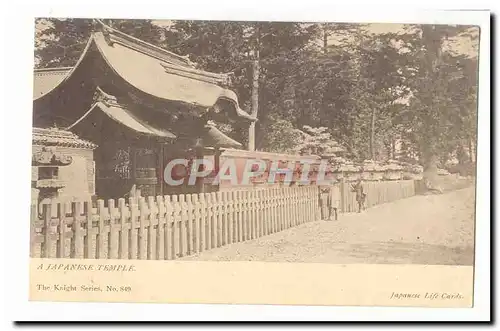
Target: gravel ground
{"points": [[432, 229]]}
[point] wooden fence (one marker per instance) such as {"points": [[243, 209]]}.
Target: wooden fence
{"points": [[167, 227], [343, 198], [376, 193]]}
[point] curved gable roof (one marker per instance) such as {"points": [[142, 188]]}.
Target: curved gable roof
{"points": [[149, 69], [47, 79]]}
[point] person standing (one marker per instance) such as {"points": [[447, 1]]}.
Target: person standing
{"points": [[360, 194]]}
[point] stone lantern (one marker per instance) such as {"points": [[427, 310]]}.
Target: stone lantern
{"points": [[47, 182]]}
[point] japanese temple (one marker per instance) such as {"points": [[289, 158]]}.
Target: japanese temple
{"points": [[141, 105]]}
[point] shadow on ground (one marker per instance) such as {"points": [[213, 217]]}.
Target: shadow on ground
{"points": [[407, 253]]}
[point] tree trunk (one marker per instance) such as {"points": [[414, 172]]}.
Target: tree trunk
{"points": [[255, 92], [434, 44], [471, 151], [431, 173], [393, 148], [372, 134], [325, 38]]}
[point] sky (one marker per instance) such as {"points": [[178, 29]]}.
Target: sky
{"points": [[460, 45]]}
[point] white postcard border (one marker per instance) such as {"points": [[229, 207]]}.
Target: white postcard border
{"points": [[18, 102]]}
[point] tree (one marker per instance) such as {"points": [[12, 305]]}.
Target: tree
{"points": [[368, 91], [434, 119], [317, 141], [60, 42], [281, 137], [261, 56]]}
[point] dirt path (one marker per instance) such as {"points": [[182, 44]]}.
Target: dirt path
{"points": [[433, 229]]}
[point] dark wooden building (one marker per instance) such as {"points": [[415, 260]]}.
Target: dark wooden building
{"points": [[141, 105]]}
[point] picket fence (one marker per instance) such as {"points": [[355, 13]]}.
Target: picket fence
{"points": [[170, 227], [167, 227], [376, 193]]}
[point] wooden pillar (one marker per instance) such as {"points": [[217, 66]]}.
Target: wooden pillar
{"points": [[161, 165], [145, 169], [217, 154], [133, 163], [199, 154], [342, 195]]}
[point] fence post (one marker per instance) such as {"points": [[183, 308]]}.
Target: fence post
{"points": [[244, 215], [188, 205], [61, 226], [124, 229], [76, 245], [315, 203], [303, 204], [160, 232], [143, 223], [277, 202], [256, 206], [253, 199], [133, 235], [100, 234], [169, 228], [213, 219], [251, 213], [221, 197], [152, 221], [175, 224], [236, 215], [209, 221], [89, 236], [33, 225], [179, 221], [267, 206], [272, 218], [196, 221], [216, 197], [203, 222], [277, 209], [47, 230], [286, 207], [295, 204], [239, 215], [277, 206], [272, 206], [229, 198], [113, 231]]}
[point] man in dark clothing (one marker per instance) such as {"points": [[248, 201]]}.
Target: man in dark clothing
{"points": [[360, 194]]}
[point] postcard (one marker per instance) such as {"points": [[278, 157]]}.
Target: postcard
{"points": [[327, 163]]}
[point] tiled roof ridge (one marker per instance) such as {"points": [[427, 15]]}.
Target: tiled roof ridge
{"points": [[179, 64], [50, 69], [56, 71], [115, 35], [59, 137]]}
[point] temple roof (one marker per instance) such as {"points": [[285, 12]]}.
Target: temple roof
{"points": [[125, 117], [58, 137], [133, 120], [151, 70], [46, 79], [214, 137]]}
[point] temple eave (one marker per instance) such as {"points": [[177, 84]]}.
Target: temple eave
{"points": [[121, 114]]}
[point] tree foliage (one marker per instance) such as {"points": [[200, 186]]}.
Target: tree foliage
{"points": [[60, 42], [317, 141], [405, 95]]}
